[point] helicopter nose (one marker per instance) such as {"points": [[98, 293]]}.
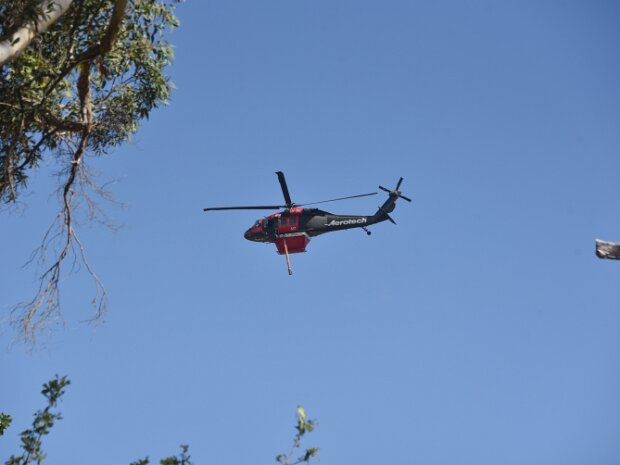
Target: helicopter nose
{"points": [[247, 234]]}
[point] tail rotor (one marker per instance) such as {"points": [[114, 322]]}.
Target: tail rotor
{"points": [[383, 213], [396, 191]]}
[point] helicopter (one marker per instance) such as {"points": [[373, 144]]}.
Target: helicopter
{"points": [[292, 228]]}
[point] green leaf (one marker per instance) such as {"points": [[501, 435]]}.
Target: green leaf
{"points": [[5, 421], [310, 452]]}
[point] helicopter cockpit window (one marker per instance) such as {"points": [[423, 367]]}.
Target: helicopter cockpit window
{"points": [[292, 220]]}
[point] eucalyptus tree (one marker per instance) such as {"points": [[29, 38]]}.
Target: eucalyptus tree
{"points": [[76, 79]]}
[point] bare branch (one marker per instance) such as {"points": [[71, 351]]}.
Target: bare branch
{"points": [[46, 302]]}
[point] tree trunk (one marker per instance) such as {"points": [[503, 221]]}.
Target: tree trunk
{"points": [[12, 47], [609, 250]]}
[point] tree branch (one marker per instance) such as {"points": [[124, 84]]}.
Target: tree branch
{"points": [[61, 124], [609, 250], [81, 88], [101, 48], [13, 46], [47, 296], [109, 37]]}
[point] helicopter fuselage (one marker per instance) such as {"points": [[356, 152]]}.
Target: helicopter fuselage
{"points": [[310, 221]]}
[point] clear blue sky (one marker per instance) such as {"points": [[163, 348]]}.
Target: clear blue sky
{"points": [[480, 330]]}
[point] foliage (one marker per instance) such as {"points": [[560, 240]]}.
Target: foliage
{"points": [[5, 422], [79, 90], [31, 439], [182, 459], [303, 427], [16, 13], [44, 420], [42, 111]]}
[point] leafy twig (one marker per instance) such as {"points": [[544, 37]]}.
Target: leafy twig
{"points": [[303, 426]]}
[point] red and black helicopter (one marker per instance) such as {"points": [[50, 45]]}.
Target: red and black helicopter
{"points": [[292, 228]]}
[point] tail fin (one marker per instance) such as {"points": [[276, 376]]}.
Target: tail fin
{"points": [[383, 213]]}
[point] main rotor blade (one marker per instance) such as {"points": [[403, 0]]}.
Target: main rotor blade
{"points": [[253, 207], [405, 198], [341, 198], [398, 185], [287, 196]]}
